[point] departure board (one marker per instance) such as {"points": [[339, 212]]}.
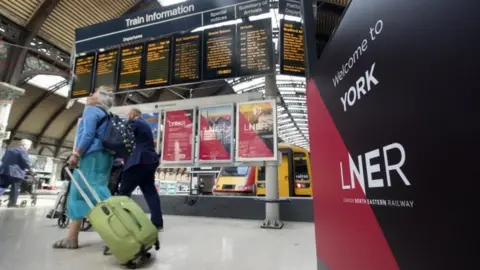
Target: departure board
{"points": [[157, 69], [82, 82], [292, 54], [187, 58], [106, 73], [255, 47], [130, 67], [219, 53]]}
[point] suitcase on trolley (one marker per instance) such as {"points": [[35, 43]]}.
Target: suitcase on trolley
{"points": [[122, 224]]}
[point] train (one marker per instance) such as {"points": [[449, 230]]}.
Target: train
{"points": [[294, 176]]}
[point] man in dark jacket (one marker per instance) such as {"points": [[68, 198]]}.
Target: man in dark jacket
{"points": [[15, 162], [139, 168]]}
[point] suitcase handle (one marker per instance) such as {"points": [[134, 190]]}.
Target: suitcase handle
{"points": [[82, 192]]}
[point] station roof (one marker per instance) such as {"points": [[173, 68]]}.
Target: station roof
{"points": [[41, 114]]}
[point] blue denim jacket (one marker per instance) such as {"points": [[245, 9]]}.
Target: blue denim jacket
{"points": [[87, 133]]}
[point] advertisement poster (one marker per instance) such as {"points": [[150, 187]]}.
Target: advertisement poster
{"points": [[256, 131], [216, 133], [153, 122], [178, 136]]}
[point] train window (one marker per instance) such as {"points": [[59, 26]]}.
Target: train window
{"points": [[300, 167], [234, 171], [261, 174]]}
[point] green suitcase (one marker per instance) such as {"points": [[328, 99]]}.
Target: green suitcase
{"points": [[123, 225]]}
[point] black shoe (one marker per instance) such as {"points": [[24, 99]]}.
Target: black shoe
{"points": [[13, 206], [160, 228]]}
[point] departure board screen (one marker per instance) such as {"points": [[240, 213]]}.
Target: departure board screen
{"points": [[106, 73], [292, 54], [130, 67], [187, 58], [82, 83], [219, 53], [255, 47], [157, 69]]}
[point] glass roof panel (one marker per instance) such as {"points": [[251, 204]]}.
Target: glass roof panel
{"points": [[170, 2], [46, 82]]}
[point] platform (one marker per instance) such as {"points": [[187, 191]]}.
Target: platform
{"points": [[188, 243]]}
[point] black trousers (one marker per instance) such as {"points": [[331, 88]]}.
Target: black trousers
{"points": [[143, 176]]}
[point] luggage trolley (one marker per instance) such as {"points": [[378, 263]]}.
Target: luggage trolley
{"points": [[27, 187]]}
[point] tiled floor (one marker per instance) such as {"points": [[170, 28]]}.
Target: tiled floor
{"points": [[187, 243]]}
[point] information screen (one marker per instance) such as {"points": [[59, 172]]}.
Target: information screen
{"points": [[219, 53], [255, 47], [130, 67], [106, 70], [82, 83], [157, 69], [187, 58], [292, 53]]}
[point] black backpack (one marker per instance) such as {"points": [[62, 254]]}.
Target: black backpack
{"points": [[119, 138]]}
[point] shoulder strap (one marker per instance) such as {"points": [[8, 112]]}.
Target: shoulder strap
{"points": [[104, 118]]}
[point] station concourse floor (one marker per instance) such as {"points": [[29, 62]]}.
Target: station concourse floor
{"points": [[187, 243]]}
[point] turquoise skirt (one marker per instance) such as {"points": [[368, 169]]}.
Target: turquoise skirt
{"points": [[96, 167]]}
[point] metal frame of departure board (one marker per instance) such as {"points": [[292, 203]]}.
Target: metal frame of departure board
{"points": [[170, 61], [234, 64], [281, 51], [176, 81], [75, 78], [115, 70], [119, 69], [267, 25]]}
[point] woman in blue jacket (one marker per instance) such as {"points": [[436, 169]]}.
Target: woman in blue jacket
{"points": [[92, 160]]}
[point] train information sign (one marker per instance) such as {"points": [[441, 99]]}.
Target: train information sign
{"points": [[157, 68], [292, 53], [219, 53], [106, 73], [82, 83], [187, 58], [255, 47], [130, 67]]}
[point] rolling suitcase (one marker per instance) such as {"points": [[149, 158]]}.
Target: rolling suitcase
{"points": [[122, 224]]}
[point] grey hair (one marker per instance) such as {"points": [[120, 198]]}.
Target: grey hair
{"points": [[105, 98], [27, 144]]}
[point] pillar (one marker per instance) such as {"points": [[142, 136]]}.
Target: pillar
{"points": [[8, 93], [272, 205]]}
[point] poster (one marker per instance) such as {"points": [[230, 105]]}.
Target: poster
{"points": [[393, 119], [153, 121], [215, 132], [178, 137], [256, 131]]}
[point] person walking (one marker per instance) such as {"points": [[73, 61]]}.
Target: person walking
{"points": [[139, 168], [95, 163], [15, 163]]}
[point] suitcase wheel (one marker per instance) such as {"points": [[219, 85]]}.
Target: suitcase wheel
{"points": [[157, 245], [106, 251], [63, 221], [34, 202], [86, 225], [23, 204], [131, 265]]}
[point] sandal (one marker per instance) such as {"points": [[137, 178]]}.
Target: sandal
{"points": [[65, 244]]}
